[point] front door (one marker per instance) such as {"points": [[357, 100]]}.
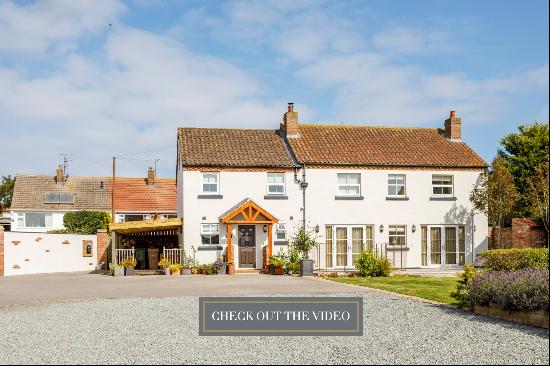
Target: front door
{"points": [[247, 246]]}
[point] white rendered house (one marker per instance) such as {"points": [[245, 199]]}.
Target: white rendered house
{"points": [[401, 191]]}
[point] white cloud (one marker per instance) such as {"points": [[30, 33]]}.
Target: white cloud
{"points": [[41, 25], [408, 40]]}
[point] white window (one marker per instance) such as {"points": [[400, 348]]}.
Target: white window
{"points": [[210, 183], [349, 184], [276, 183], [396, 185], [280, 231], [442, 185], [35, 219], [58, 197], [397, 235], [210, 234]]}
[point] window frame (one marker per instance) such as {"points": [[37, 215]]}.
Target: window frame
{"points": [[451, 185], [339, 185], [217, 175], [404, 235], [278, 230], [209, 233], [23, 216], [404, 184], [59, 200], [268, 184]]}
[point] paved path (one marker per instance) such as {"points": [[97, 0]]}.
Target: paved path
{"points": [[159, 329]]}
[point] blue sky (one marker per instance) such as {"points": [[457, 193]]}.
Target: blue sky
{"points": [[97, 79]]}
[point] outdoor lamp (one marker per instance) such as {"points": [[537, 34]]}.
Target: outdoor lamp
{"points": [[381, 228], [317, 228], [413, 228], [265, 228]]}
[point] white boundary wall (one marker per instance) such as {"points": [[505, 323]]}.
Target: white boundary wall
{"points": [[28, 253]]}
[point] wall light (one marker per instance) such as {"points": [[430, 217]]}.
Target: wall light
{"points": [[413, 228], [265, 228], [317, 228], [381, 228]]}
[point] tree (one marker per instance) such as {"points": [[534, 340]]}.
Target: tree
{"points": [[6, 191], [304, 241], [496, 195], [538, 193], [524, 151], [86, 222]]}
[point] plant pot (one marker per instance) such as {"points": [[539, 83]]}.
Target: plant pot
{"points": [[223, 270], [306, 267], [271, 269], [231, 269], [186, 271], [118, 272], [289, 272], [279, 271], [130, 271], [176, 273], [166, 271]]}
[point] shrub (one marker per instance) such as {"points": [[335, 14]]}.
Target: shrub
{"points": [[461, 293], [526, 289], [370, 265], [128, 262], [294, 258], [515, 259], [86, 222], [175, 268], [164, 263]]}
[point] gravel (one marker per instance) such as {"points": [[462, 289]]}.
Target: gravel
{"points": [[164, 330]]}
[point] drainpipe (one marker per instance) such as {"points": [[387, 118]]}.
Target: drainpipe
{"points": [[303, 185], [473, 240]]}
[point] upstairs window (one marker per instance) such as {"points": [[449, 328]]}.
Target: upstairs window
{"points": [[396, 185], [210, 183], [58, 197], [276, 183], [442, 185], [280, 231], [210, 234], [349, 184]]}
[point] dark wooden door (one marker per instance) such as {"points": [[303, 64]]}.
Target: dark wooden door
{"points": [[247, 246]]}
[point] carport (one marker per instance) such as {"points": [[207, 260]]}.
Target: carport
{"points": [[146, 241]]}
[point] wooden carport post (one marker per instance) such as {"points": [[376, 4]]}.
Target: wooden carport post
{"points": [[269, 245], [229, 246]]}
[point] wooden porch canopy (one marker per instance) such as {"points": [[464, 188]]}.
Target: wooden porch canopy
{"points": [[248, 212]]}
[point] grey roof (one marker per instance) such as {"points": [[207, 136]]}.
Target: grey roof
{"points": [[29, 193]]}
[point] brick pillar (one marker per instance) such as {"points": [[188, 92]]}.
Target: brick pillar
{"points": [[102, 244], [1, 250]]}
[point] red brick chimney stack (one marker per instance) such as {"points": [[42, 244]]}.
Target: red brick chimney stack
{"points": [[59, 177], [453, 127], [290, 122]]}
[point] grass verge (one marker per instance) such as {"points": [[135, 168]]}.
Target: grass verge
{"points": [[432, 288]]}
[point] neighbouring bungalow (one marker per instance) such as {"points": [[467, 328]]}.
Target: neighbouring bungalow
{"points": [[403, 191], [40, 201]]}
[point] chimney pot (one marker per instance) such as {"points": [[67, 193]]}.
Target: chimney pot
{"points": [[453, 114], [291, 107]]}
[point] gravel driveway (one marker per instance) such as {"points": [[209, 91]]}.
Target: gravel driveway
{"points": [[164, 330]]}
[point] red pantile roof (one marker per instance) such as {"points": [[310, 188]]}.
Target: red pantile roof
{"points": [[381, 146], [223, 147], [134, 195]]}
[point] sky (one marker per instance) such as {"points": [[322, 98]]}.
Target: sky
{"points": [[103, 78]]}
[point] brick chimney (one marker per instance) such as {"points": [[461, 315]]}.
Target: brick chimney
{"points": [[290, 122], [150, 176], [59, 177], [453, 127]]}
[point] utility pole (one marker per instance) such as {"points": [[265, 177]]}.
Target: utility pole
{"points": [[113, 191]]}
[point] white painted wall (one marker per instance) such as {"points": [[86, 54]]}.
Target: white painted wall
{"points": [[234, 187], [57, 222], [323, 209], [47, 255]]}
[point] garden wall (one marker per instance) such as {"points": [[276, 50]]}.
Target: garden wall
{"points": [[523, 233], [29, 253]]}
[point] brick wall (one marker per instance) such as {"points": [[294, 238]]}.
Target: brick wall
{"points": [[1, 250], [102, 244], [523, 233]]}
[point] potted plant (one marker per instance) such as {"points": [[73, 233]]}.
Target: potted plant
{"points": [[219, 266], [129, 264], [230, 268], [116, 270], [175, 269], [278, 262], [186, 265], [303, 242], [165, 264]]}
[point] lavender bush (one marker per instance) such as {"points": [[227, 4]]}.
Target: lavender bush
{"points": [[526, 289]]}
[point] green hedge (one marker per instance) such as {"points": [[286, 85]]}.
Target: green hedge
{"points": [[86, 222], [515, 259]]}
